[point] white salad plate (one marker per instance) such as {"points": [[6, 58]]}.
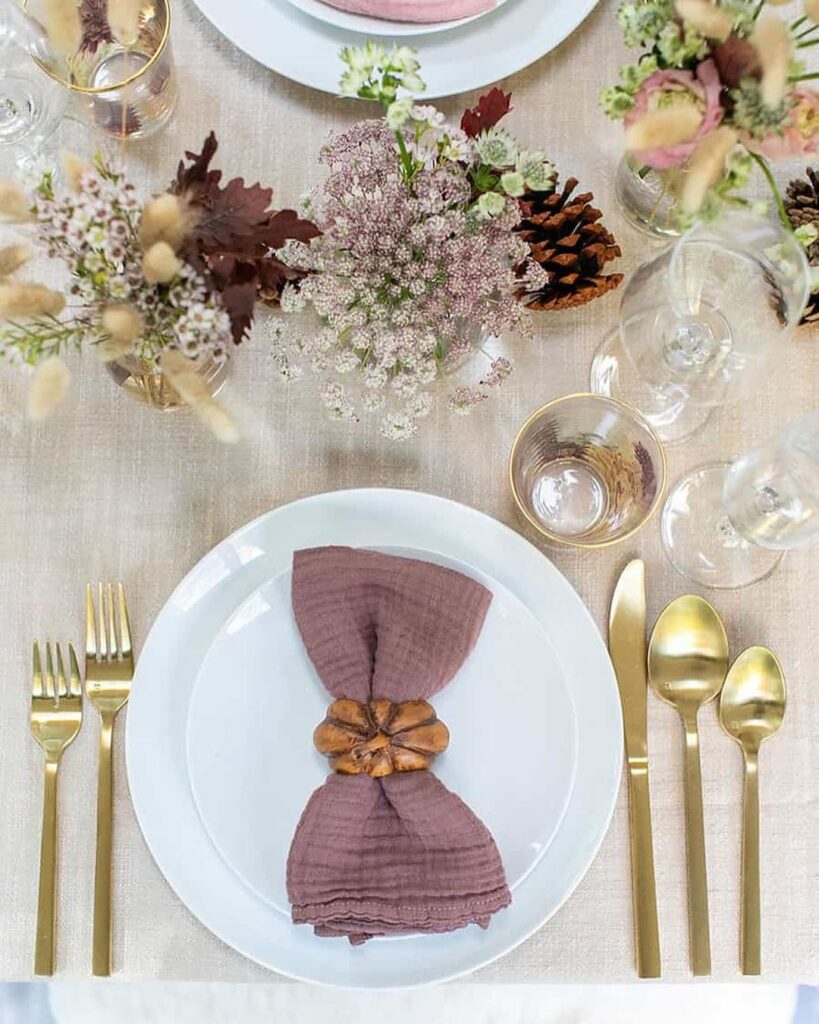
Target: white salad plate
{"points": [[299, 46], [379, 26], [219, 738]]}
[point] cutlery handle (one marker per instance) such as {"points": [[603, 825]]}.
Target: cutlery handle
{"points": [[751, 944], [101, 948], [643, 885], [698, 927], [46, 902]]}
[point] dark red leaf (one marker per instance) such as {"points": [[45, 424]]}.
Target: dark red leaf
{"points": [[287, 224], [491, 108], [198, 178], [234, 240], [736, 59]]}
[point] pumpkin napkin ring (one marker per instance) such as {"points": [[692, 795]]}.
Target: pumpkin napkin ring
{"points": [[379, 737]]}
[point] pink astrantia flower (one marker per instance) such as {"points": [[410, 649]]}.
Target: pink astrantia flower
{"points": [[665, 88], [800, 134]]}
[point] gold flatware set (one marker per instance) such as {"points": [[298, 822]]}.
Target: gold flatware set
{"points": [[56, 718], [687, 665]]}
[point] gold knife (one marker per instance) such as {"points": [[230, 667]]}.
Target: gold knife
{"points": [[627, 646]]}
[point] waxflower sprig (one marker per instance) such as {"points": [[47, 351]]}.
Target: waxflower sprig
{"points": [[181, 272], [719, 88]]}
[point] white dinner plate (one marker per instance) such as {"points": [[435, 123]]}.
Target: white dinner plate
{"points": [[243, 913], [512, 676], [487, 49], [370, 26]]}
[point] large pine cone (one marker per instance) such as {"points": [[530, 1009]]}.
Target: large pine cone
{"points": [[802, 204], [566, 238]]}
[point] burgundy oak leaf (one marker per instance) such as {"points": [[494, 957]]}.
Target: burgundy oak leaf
{"points": [[491, 108], [198, 178]]}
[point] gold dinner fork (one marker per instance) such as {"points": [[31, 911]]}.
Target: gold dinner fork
{"points": [[109, 669], [56, 717]]}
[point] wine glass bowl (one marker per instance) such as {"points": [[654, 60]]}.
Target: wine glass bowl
{"points": [[699, 322], [728, 525]]}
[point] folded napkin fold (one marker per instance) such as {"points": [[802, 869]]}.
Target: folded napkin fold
{"points": [[399, 853], [426, 11]]}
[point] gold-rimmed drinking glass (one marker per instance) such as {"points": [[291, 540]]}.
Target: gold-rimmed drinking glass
{"points": [[587, 470], [130, 90]]}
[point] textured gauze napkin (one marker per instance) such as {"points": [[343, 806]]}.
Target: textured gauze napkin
{"points": [[378, 856], [426, 11]]}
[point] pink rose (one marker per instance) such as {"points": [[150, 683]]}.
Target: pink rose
{"points": [[800, 134], [703, 90]]}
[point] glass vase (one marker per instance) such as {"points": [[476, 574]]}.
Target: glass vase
{"points": [[649, 199], [146, 383]]}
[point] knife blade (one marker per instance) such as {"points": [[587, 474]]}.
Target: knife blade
{"points": [[628, 650]]}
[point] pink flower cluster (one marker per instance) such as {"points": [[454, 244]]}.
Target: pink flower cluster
{"points": [[701, 89], [405, 279]]}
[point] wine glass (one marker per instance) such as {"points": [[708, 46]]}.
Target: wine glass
{"points": [[31, 105], [700, 321], [728, 525]]}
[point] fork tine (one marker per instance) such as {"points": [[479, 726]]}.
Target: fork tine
{"points": [[113, 638], [75, 685], [62, 689], [90, 634], [102, 648], [49, 678], [124, 624], [36, 673]]}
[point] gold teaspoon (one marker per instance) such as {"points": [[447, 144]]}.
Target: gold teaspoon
{"points": [[687, 662], [751, 710]]}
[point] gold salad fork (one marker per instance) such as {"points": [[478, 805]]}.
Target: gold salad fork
{"points": [[56, 717], [109, 669]]}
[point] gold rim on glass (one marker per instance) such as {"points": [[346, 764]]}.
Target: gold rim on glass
{"points": [[556, 538], [97, 90]]}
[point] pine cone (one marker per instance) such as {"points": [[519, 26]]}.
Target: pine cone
{"points": [[802, 204], [565, 238]]}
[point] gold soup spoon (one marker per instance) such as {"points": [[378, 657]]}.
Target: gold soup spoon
{"points": [[751, 710], [687, 662]]}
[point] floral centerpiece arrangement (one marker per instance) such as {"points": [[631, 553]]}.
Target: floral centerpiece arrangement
{"points": [[720, 86], [165, 289], [433, 237]]}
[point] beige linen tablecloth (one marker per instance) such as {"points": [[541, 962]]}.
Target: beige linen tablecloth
{"points": [[110, 489]]}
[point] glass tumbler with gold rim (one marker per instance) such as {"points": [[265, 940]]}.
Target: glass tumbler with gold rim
{"points": [[587, 470], [130, 89]]}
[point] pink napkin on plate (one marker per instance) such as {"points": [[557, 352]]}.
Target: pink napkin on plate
{"points": [[378, 856], [426, 11]]}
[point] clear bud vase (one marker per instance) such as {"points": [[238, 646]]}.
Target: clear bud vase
{"points": [[146, 383], [649, 199]]}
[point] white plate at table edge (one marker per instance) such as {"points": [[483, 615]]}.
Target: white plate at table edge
{"points": [[494, 46], [366, 24], [155, 741], [277, 694]]}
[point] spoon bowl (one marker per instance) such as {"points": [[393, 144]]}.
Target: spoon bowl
{"points": [[688, 654], [753, 699]]}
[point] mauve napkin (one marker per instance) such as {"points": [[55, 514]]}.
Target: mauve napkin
{"points": [[426, 11], [401, 853]]}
